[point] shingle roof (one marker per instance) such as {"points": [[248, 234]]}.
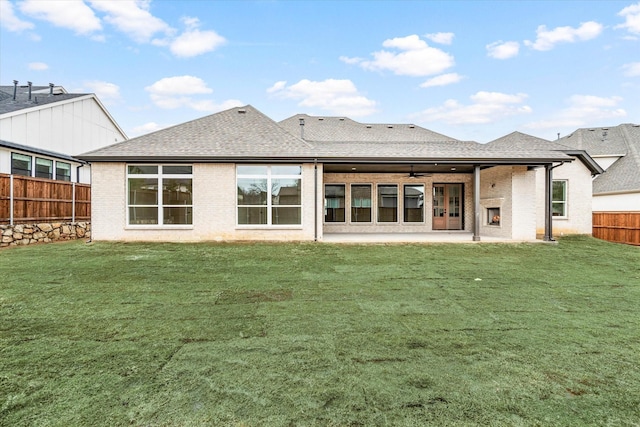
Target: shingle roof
{"points": [[27, 149], [343, 129], [622, 140], [244, 133], [241, 132], [39, 96], [519, 141]]}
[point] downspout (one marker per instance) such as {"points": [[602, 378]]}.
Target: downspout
{"points": [[315, 200]]}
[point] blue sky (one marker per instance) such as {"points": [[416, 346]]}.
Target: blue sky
{"points": [[473, 70]]}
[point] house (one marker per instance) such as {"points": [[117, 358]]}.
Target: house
{"points": [[43, 128], [571, 184], [617, 150], [239, 175]]}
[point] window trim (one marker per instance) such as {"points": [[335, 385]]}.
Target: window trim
{"points": [[57, 176], [51, 168], [269, 176], [371, 204], [160, 176], [344, 188], [30, 170], [404, 203], [564, 202], [379, 200]]}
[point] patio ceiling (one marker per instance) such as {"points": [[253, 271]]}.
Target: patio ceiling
{"points": [[419, 168]]}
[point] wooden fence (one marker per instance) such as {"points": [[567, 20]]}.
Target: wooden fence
{"points": [[619, 227], [28, 200]]}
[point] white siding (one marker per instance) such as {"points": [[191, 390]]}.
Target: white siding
{"points": [[627, 202]]}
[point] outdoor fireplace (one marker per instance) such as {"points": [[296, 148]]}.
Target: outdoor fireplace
{"points": [[493, 216]]}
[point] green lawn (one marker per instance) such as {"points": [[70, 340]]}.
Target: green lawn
{"points": [[320, 335]]}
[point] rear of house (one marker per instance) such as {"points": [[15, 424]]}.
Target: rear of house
{"points": [[238, 175]]}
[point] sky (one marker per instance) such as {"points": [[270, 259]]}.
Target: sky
{"points": [[472, 70]]}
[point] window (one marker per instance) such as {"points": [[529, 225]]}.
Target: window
{"points": [[334, 201], [360, 203], [269, 195], [414, 203], [63, 171], [44, 168], [20, 164], [493, 216], [160, 195], [387, 203], [559, 198]]}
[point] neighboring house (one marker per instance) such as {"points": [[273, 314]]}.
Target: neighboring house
{"points": [[43, 128], [571, 184], [238, 175], [617, 150]]}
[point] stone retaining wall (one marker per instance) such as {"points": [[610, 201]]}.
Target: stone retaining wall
{"points": [[26, 234]]}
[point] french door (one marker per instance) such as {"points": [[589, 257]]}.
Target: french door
{"points": [[447, 206]]}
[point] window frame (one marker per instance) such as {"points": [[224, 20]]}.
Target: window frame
{"points": [[160, 204], [564, 202], [14, 169], [270, 176], [404, 203], [380, 199], [62, 177], [343, 207], [352, 214], [39, 174]]}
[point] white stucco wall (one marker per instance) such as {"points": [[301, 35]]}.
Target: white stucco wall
{"points": [[579, 199], [214, 208], [622, 202]]}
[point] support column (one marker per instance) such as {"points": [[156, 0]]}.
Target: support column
{"points": [[476, 203], [548, 214]]}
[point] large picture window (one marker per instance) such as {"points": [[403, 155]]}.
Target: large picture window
{"points": [[559, 196], [269, 195], [160, 194], [20, 164], [334, 203], [360, 203]]}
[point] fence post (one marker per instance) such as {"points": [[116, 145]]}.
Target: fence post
{"points": [[11, 199], [73, 202]]}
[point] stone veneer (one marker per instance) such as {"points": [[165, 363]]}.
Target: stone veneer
{"points": [[44, 232]]}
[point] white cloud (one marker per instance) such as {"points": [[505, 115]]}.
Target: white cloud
{"points": [[348, 60], [9, 20], [441, 38], [178, 92], [340, 97], [443, 80], [105, 91], [583, 110], [632, 69], [70, 14], [503, 50], [133, 18], [547, 39], [38, 66], [487, 107], [415, 58], [147, 128], [194, 42], [631, 14]]}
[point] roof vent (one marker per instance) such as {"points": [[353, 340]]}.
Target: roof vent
{"points": [[51, 89], [242, 111], [412, 127], [389, 126], [341, 119], [368, 126], [320, 118]]}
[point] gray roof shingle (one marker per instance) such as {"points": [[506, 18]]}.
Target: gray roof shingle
{"points": [[245, 134], [622, 140], [39, 96]]}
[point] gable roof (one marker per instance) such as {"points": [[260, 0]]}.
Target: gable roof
{"points": [[245, 134], [529, 143], [237, 133], [622, 140], [343, 129]]}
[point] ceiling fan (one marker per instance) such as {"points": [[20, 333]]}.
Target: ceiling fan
{"points": [[413, 174]]}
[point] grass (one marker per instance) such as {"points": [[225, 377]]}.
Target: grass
{"points": [[320, 335]]}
